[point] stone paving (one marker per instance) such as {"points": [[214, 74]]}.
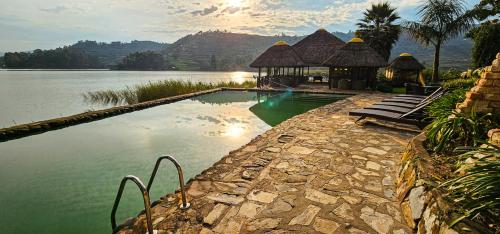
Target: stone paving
{"points": [[318, 172]]}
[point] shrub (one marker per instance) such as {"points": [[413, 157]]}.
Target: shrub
{"points": [[444, 106], [459, 129], [459, 83], [477, 192]]}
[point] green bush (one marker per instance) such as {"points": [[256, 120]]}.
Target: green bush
{"points": [[459, 83], [459, 129], [477, 193], [444, 106]]}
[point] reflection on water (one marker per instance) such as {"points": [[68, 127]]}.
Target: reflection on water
{"points": [[67, 179]]}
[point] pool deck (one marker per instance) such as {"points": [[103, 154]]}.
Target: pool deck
{"points": [[318, 172]]}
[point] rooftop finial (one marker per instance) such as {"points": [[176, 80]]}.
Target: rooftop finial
{"points": [[356, 40], [281, 43]]}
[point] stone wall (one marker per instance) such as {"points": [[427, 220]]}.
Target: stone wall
{"points": [[485, 96], [423, 205]]}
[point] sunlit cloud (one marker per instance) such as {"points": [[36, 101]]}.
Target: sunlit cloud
{"points": [[53, 23]]}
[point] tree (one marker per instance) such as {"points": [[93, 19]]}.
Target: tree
{"points": [[377, 28], [485, 37], [440, 20]]}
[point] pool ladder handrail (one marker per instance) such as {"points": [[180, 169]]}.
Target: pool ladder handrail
{"points": [[185, 204], [145, 196], [145, 192]]}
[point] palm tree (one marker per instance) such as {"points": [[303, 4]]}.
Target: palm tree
{"points": [[440, 20], [377, 28]]}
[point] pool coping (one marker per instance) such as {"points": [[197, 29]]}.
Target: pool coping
{"points": [[39, 127]]}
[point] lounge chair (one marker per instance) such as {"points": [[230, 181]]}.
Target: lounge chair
{"points": [[411, 117], [411, 102]]}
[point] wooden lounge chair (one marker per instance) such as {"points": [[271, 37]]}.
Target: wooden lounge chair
{"points": [[412, 102]]}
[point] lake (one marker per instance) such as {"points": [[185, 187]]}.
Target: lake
{"points": [[33, 95]]}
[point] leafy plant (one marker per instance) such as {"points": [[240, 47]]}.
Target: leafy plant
{"points": [[444, 106], [459, 129], [476, 192], [459, 83]]}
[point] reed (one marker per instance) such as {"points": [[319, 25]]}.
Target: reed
{"points": [[157, 90]]}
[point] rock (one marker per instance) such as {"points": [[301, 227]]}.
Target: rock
{"points": [[351, 200], [387, 181], [359, 157], [246, 175], [233, 227], [249, 210], [300, 150], [296, 179], [344, 211], [373, 186], [366, 172], [335, 181], [399, 231], [158, 220], [343, 169], [389, 194], [325, 225], [320, 197], [285, 188], [417, 201], [357, 231], [375, 151], [282, 165], [273, 149], [394, 212], [195, 189], [306, 217], [279, 206], [373, 165], [250, 148], [226, 199], [381, 223], [214, 215], [261, 196], [206, 231], [358, 176], [263, 224]]}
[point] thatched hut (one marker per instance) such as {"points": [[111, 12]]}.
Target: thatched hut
{"points": [[317, 47], [354, 66], [404, 69], [282, 63]]}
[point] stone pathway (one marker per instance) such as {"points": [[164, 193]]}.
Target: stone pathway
{"points": [[315, 173]]}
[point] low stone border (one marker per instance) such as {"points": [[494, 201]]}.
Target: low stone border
{"points": [[29, 129], [423, 205]]}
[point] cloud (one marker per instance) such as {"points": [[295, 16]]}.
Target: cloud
{"points": [[56, 9], [205, 11]]}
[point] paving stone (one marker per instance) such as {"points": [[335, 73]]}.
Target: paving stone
{"points": [[359, 157], [296, 179], [306, 217], [366, 172], [373, 166], [335, 181], [214, 215], [399, 231], [249, 210], [261, 196], [373, 186], [375, 151], [300, 150], [226, 199], [417, 201], [381, 223], [273, 149], [357, 231], [325, 225], [263, 224], [317, 196], [344, 211], [278, 207], [387, 181], [206, 231], [282, 165]]}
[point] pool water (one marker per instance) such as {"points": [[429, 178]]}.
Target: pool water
{"points": [[65, 181]]}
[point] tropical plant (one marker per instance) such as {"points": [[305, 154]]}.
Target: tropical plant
{"points": [[440, 20], [444, 106], [378, 28], [476, 192], [486, 43], [459, 129]]}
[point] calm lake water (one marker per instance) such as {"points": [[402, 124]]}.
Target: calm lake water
{"points": [[65, 181], [27, 96]]}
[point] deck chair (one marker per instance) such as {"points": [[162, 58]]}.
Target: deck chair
{"points": [[411, 117], [410, 102]]}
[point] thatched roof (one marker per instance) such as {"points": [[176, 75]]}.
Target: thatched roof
{"points": [[317, 47], [356, 53], [279, 55], [406, 61]]}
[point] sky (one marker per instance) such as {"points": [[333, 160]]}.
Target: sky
{"points": [[32, 24]]}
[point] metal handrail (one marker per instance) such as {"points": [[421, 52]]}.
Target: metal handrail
{"points": [[145, 196], [185, 204]]}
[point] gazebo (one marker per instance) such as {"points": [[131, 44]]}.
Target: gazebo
{"points": [[283, 66], [317, 47], [404, 69], [354, 66]]}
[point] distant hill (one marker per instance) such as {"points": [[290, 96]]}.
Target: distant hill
{"points": [[235, 51], [112, 53]]}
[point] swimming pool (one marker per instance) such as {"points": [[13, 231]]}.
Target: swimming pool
{"points": [[65, 181]]}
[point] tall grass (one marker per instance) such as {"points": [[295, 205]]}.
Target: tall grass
{"points": [[157, 90]]}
